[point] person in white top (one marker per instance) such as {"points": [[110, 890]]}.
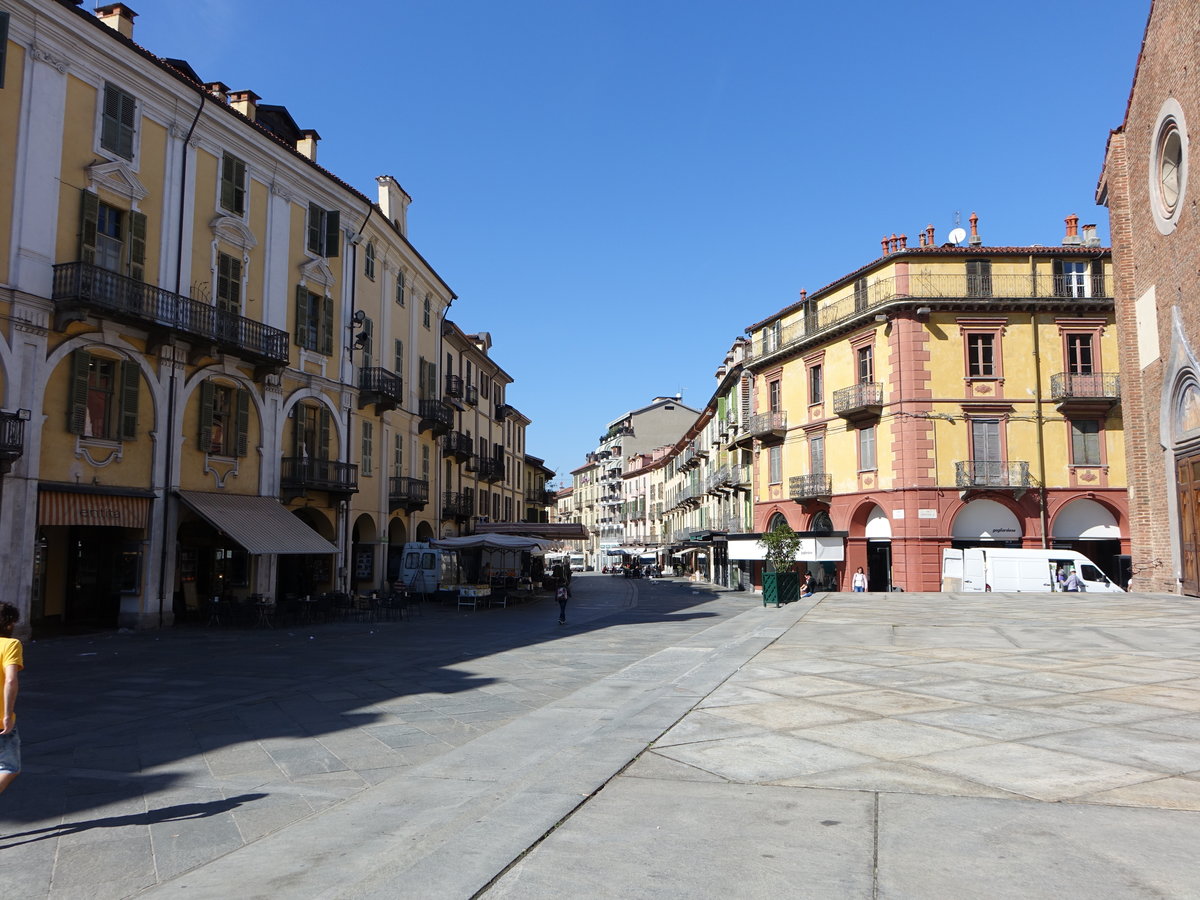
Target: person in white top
{"points": [[859, 582]]}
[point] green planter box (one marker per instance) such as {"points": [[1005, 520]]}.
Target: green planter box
{"points": [[780, 587]]}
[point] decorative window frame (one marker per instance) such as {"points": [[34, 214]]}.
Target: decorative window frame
{"points": [[1092, 327], [1170, 120], [983, 385]]}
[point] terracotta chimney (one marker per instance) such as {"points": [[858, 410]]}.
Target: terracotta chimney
{"points": [[393, 201], [893, 242], [883, 245], [904, 242], [118, 17], [803, 295], [307, 145], [245, 102], [1072, 236], [975, 240], [928, 235], [219, 90], [920, 239]]}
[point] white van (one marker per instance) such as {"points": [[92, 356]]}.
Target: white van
{"points": [[578, 562], [1009, 570], [425, 569]]}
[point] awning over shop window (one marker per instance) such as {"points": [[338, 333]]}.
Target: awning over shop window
{"points": [[817, 548], [259, 524], [1085, 520], [111, 510], [986, 520]]}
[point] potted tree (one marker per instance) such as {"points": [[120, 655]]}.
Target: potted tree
{"points": [[781, 583]]}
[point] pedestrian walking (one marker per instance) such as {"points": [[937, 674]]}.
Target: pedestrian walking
{"points": [[562, 595], [859, 582], [11, 662], [1074, 583], [1062, 578]]}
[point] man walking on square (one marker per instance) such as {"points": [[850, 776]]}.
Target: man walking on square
{"points": [[11, 662]]}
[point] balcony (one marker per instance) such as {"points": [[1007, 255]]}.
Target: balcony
{"points": [[437, 416], [12, 439], [740, 476], [719, 482], [819, 485], [542, 498], [472, 393], [491, 469], [977, 474], [502, 410], [859, 402], [1075, 394], [458, 445], [457, 505], [768, 426], [300, 474], [410, 494], [82, 289], [471, 463], [454, 386], [379, 386]]}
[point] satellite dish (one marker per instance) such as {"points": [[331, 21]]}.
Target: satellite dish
{"points": [[957, 236]]}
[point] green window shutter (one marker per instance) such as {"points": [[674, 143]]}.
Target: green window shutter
{"points": [[302, 316], [243, 422], [326, 427], [368, 355], [77, 408], [127, 120], [399, 360], [326, 325], [332, 233], [88, 218], [137, 246], [130, 383], [421, 377], [3, 45], [316, 225], [233, 184], [206, 416]]}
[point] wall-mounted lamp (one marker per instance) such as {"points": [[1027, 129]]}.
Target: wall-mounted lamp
{"points": [[359, 317], [881, 318], [361, 339], [923, 312], [24, 415]]}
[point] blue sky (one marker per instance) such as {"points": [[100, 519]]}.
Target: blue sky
{"points": [[616, 189]]}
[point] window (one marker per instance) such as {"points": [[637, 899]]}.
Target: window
{"points": [[816, 454], [484, 501], [775, 464], [1085, 442], [311, 429], [117, 121], [979, 278], [866, 449], [1071, 278], [314, 321], [369, 261], [866, 365], [365, 342], [508, 509], [773, 396], [425, 462], [104, 398], [815, 388], [860, 295], [224, 420], [485, 385], [233, 185], [111, 238], [426, 316], [400, 287], [1079, 354], [368, 448], [3, 44], [986, 452], [981, 362], [496, 507], [323, 228], [229, 284], [110, 250], [398, 454], [398, 360]]}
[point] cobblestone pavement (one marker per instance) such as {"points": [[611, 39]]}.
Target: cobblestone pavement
{"points": [[148, 755]]}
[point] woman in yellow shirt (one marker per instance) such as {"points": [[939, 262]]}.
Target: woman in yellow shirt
{"points": [[11, 662]]}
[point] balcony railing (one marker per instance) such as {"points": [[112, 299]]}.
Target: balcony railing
{"points": [[87, 288], [1067, 387], [458, 445], [457, 505], [859, 401], [454, 386], [850, 304], [502, 410], [407, 493], [379, 386], [490, 469], [436, 415], [808, 487], [1004, 474], [472, 393], [767, 425], [740, 476], [302, 473]]}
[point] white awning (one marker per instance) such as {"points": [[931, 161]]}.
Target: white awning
{"points": [[811, 549], [259, 524], [1085, 520], [879, 526], [986, 520]]}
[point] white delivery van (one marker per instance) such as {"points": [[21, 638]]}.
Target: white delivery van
{"points": [[1006, 569], [426, 570], [578, 562]]}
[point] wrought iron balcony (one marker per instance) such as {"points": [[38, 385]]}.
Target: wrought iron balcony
{"points": [[859, 401], [472, 395], [1078, 393], [379, 386], [454, 386], [502, 410], [719, 481], [436, 415], [82, 289], [740, 476], [458, 445], [12, 439], [768, 425], [471, 463], [975, 474], [304, 473], [810, 487], [457, 505], [407, 493], [491, 469]]}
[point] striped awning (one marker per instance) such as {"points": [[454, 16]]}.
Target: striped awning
{"points": [[110, 510], [259, 524]]}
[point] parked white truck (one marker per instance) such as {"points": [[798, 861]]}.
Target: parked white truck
{"points": [[1009, 570], [426, 570]]}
